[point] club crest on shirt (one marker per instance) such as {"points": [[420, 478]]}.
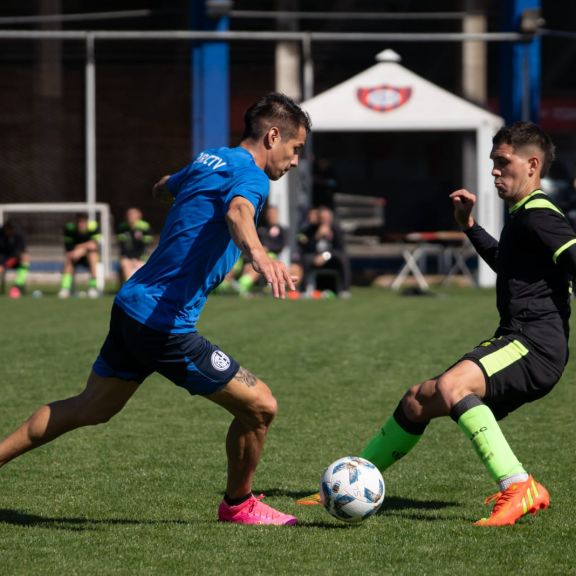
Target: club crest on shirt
{"points": [[383, 98], [220, 361]]}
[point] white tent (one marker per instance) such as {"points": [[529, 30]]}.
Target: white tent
{"points": [[389, 97]]}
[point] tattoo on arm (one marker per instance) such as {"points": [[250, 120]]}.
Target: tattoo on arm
{"points": [[246, 377]]}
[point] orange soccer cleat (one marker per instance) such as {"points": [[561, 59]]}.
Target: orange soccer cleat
{"points": [[312, 500], [516, 501]]}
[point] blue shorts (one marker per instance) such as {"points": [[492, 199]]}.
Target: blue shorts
{"points": [[132, 351]]}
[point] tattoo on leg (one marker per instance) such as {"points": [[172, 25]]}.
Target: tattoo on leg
{"points": [[246, 377]]}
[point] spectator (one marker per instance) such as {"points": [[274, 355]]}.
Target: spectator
{"points": [[322, 248], [273, 238], [82, 244], [14, 256], [135, 240]]}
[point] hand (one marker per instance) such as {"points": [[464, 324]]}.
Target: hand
{"points": [[160, 191], [463, 202], [275, 272], [321, 259]]}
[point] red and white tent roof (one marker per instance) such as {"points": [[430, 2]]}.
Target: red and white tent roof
{"points": [[388, 96]]}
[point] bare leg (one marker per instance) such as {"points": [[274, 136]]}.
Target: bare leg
{"points": [[251, 403], [69, 264], [436, 398], [101, 399], [93, 258]]}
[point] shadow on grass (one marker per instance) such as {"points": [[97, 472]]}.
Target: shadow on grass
{"points": [[18, 518], [395, 505], [391, 502]]}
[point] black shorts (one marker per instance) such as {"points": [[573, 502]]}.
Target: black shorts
{"points": [[515, 372], [133, 351], [83, 261]]}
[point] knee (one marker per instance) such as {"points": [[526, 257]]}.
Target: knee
{"points": [[447, 389], [268, 410], [263, 412]]}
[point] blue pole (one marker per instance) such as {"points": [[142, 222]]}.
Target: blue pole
{"points": [[520, 67], [210, 83]]}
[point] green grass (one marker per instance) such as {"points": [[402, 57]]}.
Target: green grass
{"points": [[139, 495]]}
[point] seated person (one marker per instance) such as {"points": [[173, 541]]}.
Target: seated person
{"points": [[273, 238], [321, 247], [82, 245], [135, 239], [13, 256]]}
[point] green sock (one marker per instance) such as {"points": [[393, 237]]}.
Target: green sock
{"points": [[479, 424], [92, 283], [21, 275], [66, 282], [396, 438]]}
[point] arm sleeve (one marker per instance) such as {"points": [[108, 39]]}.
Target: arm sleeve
{"points": [[69, 239], [485, 244], [557, 235], [567, 258], [252, 185], [174, 183], [95, 233], [339, 243]]}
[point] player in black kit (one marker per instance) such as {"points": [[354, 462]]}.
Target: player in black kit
{"points": [[535, 261]]}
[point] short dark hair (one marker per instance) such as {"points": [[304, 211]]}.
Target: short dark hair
{"points": [[522, 134], [275, 109]]}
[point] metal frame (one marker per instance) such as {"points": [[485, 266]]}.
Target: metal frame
{"points": [[42, 207], [305, 38]]}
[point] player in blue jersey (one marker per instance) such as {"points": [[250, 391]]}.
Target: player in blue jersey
{"points": [[216, 201]]}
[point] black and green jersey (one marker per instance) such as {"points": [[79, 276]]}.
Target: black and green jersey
{"points": [[134, 240], [535, 261], [73, 236]]}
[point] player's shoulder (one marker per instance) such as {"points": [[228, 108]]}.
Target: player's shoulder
{"points": [[541, 213], [211, 156], [541, 203]]}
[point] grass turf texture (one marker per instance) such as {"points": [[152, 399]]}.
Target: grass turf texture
{"points": [[139, 495]]}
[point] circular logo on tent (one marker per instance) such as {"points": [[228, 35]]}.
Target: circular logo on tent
{"points": [[220, 361], [384, 98]]}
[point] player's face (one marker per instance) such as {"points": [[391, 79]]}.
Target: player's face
{"points": [[82, 224], [284, 154], [514, 171]]}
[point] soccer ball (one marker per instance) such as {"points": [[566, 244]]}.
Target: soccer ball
{"points": [[352, 489]]}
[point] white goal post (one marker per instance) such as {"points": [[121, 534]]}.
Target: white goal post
{"points": [[103, 211]]}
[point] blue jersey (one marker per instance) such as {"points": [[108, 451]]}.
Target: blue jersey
{"points": [[195, 250]]}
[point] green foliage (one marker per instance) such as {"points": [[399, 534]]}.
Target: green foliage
{"points": [[139, 495]]}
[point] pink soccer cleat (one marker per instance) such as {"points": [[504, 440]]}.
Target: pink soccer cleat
{"points": [[253, 511], [14, 292]]}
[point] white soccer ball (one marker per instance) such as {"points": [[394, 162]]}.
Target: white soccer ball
{"points": [[352, 489]]}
